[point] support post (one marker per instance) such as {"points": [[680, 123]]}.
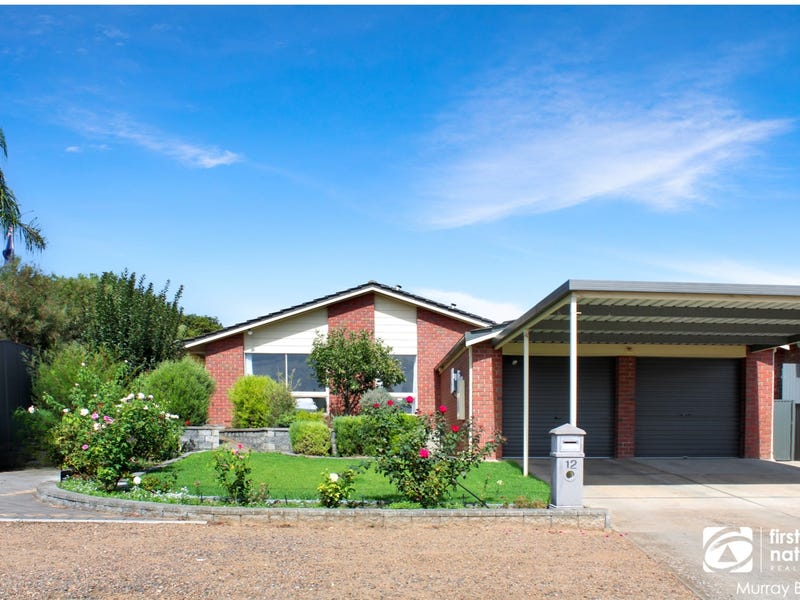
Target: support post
{"points": [[573, 360], [526, 400]]}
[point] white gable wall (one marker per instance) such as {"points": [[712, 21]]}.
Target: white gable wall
{"points": [[290, 336], [396, 324]]}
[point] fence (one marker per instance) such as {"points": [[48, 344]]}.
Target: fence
{"points": [[15, 391]]}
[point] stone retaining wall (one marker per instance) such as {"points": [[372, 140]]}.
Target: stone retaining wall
{"points": [[537, 518], [207, 437], [274, 439]]}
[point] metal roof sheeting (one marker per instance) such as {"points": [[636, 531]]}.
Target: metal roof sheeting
{"points": [[619, 312]]}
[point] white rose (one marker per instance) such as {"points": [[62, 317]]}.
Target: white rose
{"points": [[137, 480], [31, 409], [84, 412], [334, 477]]}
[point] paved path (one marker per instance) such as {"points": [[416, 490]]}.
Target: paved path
{"points": [[664, 506], [18, 500]]}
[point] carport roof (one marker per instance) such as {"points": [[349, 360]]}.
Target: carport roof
{"points": [[627, 312]]}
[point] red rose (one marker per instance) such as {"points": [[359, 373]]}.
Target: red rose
{"points": [[454, 428], [390, 403], [442, 409], [423, 453], [376, 405], [410, 399]]}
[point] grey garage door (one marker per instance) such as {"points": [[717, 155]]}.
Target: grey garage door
{"points": [[549, 393], [687, 407]]}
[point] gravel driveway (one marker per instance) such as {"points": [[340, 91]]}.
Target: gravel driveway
{"points": [[320, 560]]}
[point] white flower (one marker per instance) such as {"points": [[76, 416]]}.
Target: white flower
{"points": [[137, 480], [146, 407], [77, 384], [96, 425], [149, 396], [31, 409], [334, 477], [84, 412], [499, 482], [83, 364], [140, 396], [65, 411]]}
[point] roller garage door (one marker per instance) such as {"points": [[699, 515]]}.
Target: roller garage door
{"points": [[688, 407], [549, 393]]}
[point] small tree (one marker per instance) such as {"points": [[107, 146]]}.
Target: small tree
{"points": [[351, 363]]}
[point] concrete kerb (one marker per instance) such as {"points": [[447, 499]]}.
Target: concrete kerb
{"points": [[550, 518]]}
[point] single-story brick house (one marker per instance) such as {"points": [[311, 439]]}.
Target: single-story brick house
{"points": [[647, 369]]}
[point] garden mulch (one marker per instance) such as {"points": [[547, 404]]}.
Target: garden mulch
{"points": [[325, 560]]}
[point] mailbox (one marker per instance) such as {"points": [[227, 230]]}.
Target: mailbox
{"points": [[566, 457]]}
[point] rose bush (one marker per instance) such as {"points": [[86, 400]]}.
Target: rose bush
{"points": [[336, 488], [232, 466], [111, 440], [426, 462]]}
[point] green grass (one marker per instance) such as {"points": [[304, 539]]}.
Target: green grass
{"points": [[297, 477]]}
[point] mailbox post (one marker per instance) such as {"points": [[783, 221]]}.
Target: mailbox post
{"points": [[566, 458]]}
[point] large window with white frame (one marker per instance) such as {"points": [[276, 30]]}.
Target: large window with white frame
{"points": [[292, 369], [408, 362]]}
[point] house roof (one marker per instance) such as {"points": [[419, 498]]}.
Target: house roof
{"points": [[626, 312], [395, 292]]}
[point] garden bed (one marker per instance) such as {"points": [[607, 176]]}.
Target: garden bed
{"points": [[291, 479]]}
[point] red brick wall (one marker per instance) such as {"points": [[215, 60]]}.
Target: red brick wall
{"points": [[487, 389], [759, 396], [225, 363], [355, 314], [444, 395], [436, 335], [625, 407]]}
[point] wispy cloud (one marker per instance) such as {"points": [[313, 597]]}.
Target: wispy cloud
{"points": [[496, 311], [123, 129], [541, 141], [725, 270]]}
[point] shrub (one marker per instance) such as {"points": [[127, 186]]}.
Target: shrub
{"points": [[57, 373], [336, 488], [108, 441], [232, 466], [377, 395], [184, 388], [259, 401], [310, 437], [425, 463], [349, 435], [64, 380]]}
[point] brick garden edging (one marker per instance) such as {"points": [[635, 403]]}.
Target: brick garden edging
{"points": [[547, 518]]}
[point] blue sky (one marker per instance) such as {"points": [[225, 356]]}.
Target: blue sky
{"points": [[265, 156]]}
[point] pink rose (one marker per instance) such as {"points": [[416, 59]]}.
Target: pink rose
{"points": [[455, 428], [107, 419], [239, 446], [95, 416], [390, 403], [423, 453], [442, 409], [85, 447]]}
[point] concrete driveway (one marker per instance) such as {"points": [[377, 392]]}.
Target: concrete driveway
{"points": [[665, 506]]}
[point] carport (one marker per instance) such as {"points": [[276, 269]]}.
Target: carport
{"points": [[661, 369]]}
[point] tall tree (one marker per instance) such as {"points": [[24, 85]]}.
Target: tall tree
{"points": [[10, 215], [134, 322]]}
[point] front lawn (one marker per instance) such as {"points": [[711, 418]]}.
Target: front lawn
{"points": [[297, 477]]}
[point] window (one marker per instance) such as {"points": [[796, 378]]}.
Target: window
{"points": [[291, 368], [409, 387]]}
